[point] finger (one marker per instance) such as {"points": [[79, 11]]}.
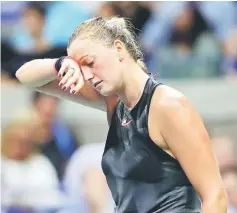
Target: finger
{"points": [[63, 68], [68, 75], [77, 78], [70, 82], [72, 86], [78, 86]]}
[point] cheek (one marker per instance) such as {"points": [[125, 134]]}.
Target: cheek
{"points": [[107, 69], [109, 75], [102, 71], [113, 69]]}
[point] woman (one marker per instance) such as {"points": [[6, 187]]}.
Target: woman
{"points": [[157, 153]]}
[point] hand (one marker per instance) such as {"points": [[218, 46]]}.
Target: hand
{"points": [[71, 76]]}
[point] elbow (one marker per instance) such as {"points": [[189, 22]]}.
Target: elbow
{"points": [[22, 77], [18, 75]]}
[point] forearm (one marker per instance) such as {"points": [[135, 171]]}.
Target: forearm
{"points": [[37, 73], [217, 204]]}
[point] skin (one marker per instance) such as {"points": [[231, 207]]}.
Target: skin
{"points": [[173, 124], [90, 56]]}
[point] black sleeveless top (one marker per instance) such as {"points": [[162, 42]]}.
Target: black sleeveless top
{"points": [[142, 177]]}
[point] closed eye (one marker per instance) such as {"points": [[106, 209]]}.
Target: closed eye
{"points": [[91, 64]]}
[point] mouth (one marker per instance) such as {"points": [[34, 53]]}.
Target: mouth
{"points": [[96, 84]]}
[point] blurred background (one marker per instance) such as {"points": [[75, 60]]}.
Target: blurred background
{"points": [[51, 149]]}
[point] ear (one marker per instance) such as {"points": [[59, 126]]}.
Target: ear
{"points": [[118, 45]]}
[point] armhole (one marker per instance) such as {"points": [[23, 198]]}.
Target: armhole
{"points": [[151, 143], [149, 103]]}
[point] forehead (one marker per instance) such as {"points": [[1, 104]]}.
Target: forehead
{"points": [[82, 47]]}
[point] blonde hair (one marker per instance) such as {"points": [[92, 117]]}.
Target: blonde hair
{"points": [[26, 117], [106, 31]]}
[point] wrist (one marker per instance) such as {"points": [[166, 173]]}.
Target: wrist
{"points": [[58, 63]]}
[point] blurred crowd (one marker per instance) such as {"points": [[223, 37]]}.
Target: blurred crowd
{"points": [[44, 166], [200, 36]]}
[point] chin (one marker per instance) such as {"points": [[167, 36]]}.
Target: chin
{"points": [[106, 92]]}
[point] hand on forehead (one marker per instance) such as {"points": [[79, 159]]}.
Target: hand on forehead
{"points": [[87, 50], [80, 49]]}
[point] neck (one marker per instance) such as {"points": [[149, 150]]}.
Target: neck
{"points": [[134, 83]]}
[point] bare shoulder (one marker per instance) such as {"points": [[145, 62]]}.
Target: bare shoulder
{"points": [[167, 100], [178, 129], [166, 95], [169, 108]]}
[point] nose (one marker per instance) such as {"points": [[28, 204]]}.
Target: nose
{"points": [[87, 74]]}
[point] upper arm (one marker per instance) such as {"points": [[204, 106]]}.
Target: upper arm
{"points": [[187, 139], [87, 95]]}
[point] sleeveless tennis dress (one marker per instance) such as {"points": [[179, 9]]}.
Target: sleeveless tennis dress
{"points": [[142, 177]]}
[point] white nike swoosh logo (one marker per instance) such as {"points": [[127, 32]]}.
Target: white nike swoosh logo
{"points": [[125, 123]]}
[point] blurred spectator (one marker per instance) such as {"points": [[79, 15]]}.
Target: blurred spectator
{"points": [[192, 45], [29, 37], [34, 20], [220, 15], [108, 9], [29, 180], [188, 27], [225, 152], [138, 12], [58, 142], [28, 40], [205, 58], [158, 28], [85, 182], [229, 175]]}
